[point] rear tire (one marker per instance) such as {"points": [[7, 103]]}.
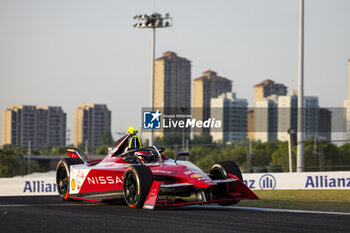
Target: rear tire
{"points": [[63, 176], [220, 170], [137, 181]]}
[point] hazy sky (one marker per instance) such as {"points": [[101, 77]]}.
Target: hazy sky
{"points": [[69, 52]]}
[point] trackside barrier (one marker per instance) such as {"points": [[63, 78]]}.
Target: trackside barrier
{"points": [[28, 186], [46, 185], [302, 180]]}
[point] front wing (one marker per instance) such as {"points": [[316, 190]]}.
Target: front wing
{"points": [[157, 195]]}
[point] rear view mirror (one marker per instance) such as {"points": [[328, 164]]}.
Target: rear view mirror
{"points": [[182, 154]]}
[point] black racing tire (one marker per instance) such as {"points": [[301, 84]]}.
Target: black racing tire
{"points": [[137, 182], [62, 176], [220, 170]]}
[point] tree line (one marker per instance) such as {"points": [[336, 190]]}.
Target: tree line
{"points": [[265, 157], [14, 163], [269, 156]]}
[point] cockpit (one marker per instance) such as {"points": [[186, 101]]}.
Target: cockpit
{"points": [[129, 147]]}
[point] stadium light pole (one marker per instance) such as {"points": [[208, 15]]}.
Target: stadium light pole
{"points": [[153, 21], [300, 148]]}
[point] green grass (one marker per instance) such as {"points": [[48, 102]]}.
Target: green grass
{"points": [[316, 200]]}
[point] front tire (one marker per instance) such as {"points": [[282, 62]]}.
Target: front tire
{"points": [[137, 181], [220, 170], [62, 176]]}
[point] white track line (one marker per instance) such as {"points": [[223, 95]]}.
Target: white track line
{"points": [[196, 206], [270, 209]]}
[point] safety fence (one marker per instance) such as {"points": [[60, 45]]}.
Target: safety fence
{"points": [[46, 185], [272, 156]]}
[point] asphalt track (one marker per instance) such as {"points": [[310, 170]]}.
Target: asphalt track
{"points": [[49, 214]]}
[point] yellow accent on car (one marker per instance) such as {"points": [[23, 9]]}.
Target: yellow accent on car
{"points": [[136, 138], [73, 184]]}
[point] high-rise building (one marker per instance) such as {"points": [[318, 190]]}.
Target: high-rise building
{"points": [[232, 112], [261, 91], [288, 116], [251, 124], [346, 114], [267, 88], [325, 124], [310, 124], [39, 125], [349, 78], [346, 119], [90, 122], [208, 86], [53, 129], [172, 88], [266, 118]]}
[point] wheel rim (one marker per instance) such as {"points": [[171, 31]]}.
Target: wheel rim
{"points": [[63, 181], [130, 188]]}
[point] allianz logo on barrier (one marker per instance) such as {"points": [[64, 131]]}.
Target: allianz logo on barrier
{"points": [[325, 182], [266, 181], [39, 186], [269, 182]]}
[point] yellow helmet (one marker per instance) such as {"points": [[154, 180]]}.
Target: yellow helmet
{"points": [[131, 130]]}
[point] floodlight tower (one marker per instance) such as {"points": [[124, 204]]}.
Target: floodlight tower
{"points": [[300, 147], [153, 21]]}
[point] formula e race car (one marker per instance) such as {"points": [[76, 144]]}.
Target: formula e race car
{"points": [[145, 178]]}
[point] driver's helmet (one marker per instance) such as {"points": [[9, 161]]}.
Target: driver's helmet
{"points": [[134, 141]]}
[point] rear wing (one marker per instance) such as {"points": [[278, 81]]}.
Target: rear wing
{"points": [[73, 153]]}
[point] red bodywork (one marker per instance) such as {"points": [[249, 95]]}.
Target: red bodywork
{"points": [[175, 183]]}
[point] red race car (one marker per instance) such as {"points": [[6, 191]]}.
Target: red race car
{"points": [[145, 178]]}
